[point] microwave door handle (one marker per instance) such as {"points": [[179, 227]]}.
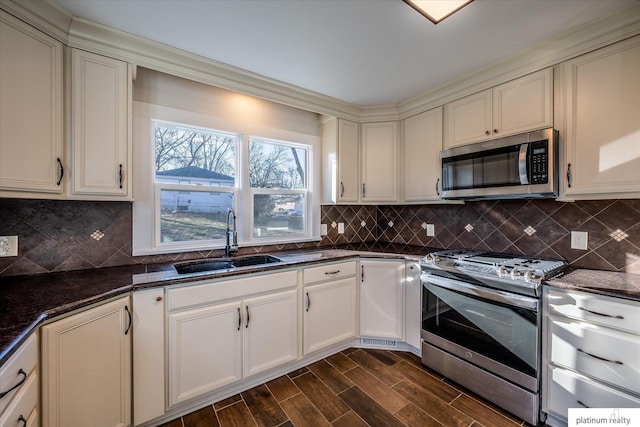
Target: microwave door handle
{"points": [[522, 164]]}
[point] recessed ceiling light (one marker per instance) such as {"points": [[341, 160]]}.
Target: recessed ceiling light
{"points": [[437, 10]]}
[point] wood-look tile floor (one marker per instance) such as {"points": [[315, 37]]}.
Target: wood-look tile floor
{"points": [[356, 387]]}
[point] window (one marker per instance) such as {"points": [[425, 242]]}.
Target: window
{"points": [[278, 181], [199, 150], [188, 161]]}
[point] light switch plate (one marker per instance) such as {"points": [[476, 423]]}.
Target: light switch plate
{"points": [[341, 228], [579, 240], [323, 229], [8, 246]]}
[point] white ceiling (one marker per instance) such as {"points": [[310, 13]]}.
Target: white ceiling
{"points": [[364, 52]]}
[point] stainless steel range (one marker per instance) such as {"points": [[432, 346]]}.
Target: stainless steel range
{"points": [[481, 323]]}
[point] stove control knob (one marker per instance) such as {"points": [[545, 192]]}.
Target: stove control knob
{"points": [[432, 258], [515, 273], [503, 271], [531, 277]]}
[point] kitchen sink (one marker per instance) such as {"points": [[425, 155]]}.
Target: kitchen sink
{"points": [[254, 260], [227, 264]]}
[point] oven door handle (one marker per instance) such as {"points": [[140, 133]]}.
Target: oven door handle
{"points": [[481, 292]]}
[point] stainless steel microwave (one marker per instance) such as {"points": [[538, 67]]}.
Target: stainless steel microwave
{"points": [[518, 166]]}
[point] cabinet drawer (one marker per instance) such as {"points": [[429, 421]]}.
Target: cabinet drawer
{"points": [[220, 290], [570, 390], [24, 359], [605, 354], [613, 312], [329, 272], [24, 404]]}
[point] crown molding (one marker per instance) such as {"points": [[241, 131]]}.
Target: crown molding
{"points": [[94, 37], [574, 43], [42, 14]]}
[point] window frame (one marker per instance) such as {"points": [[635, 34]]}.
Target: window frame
{"points": [[148, 242]]}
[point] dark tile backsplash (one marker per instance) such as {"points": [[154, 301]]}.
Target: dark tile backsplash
{"points": [[71, 235], [529, 227]]}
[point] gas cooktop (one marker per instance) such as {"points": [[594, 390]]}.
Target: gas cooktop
{"points": [[518, 273]]}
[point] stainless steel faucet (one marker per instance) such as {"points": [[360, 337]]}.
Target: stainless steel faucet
{"points": [[231, 246]]}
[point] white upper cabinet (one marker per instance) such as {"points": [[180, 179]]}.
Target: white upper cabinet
{"points": [[340, 161], [379, 162], [602, 148], [31, 112], [422, 144], [100, 153], [517, 106]]}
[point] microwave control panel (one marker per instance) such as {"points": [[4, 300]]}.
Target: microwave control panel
{"points": [[539, 162]]}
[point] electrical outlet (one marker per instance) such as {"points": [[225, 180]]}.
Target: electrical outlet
{"points": [[8, 246], [341, 228], [431, 230], [579, 240], [323, 229]]}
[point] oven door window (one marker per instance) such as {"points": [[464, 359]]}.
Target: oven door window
{"points": [[504, 333]]}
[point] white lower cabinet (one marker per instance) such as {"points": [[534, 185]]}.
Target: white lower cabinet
{"points": [[329, 305], [225, 339], [205, 350], [86, 368], [413, 305], [19, 387], [382, 299], [591, 348]]}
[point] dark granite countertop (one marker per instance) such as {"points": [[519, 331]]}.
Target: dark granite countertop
{"points": [[28, 301], [609, 283]]}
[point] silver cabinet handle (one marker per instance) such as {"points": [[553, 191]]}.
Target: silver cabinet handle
{"points": [[615, 316]]}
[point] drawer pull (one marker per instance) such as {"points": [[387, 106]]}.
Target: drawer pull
{"points": [[332, 272], [24, 378], [581, 404], [600, 358], [602, 314], [308, 302]]}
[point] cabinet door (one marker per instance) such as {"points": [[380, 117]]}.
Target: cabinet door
{"points": [[100, 128], [270, 331], [380, 162], [148, 355], [523, 104], [422, 146], [329, 314], [381, 299], [205, 347], [31, 118], [348, 187], [468, 120], [86, 368], [413, 304], [602, 109]]}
